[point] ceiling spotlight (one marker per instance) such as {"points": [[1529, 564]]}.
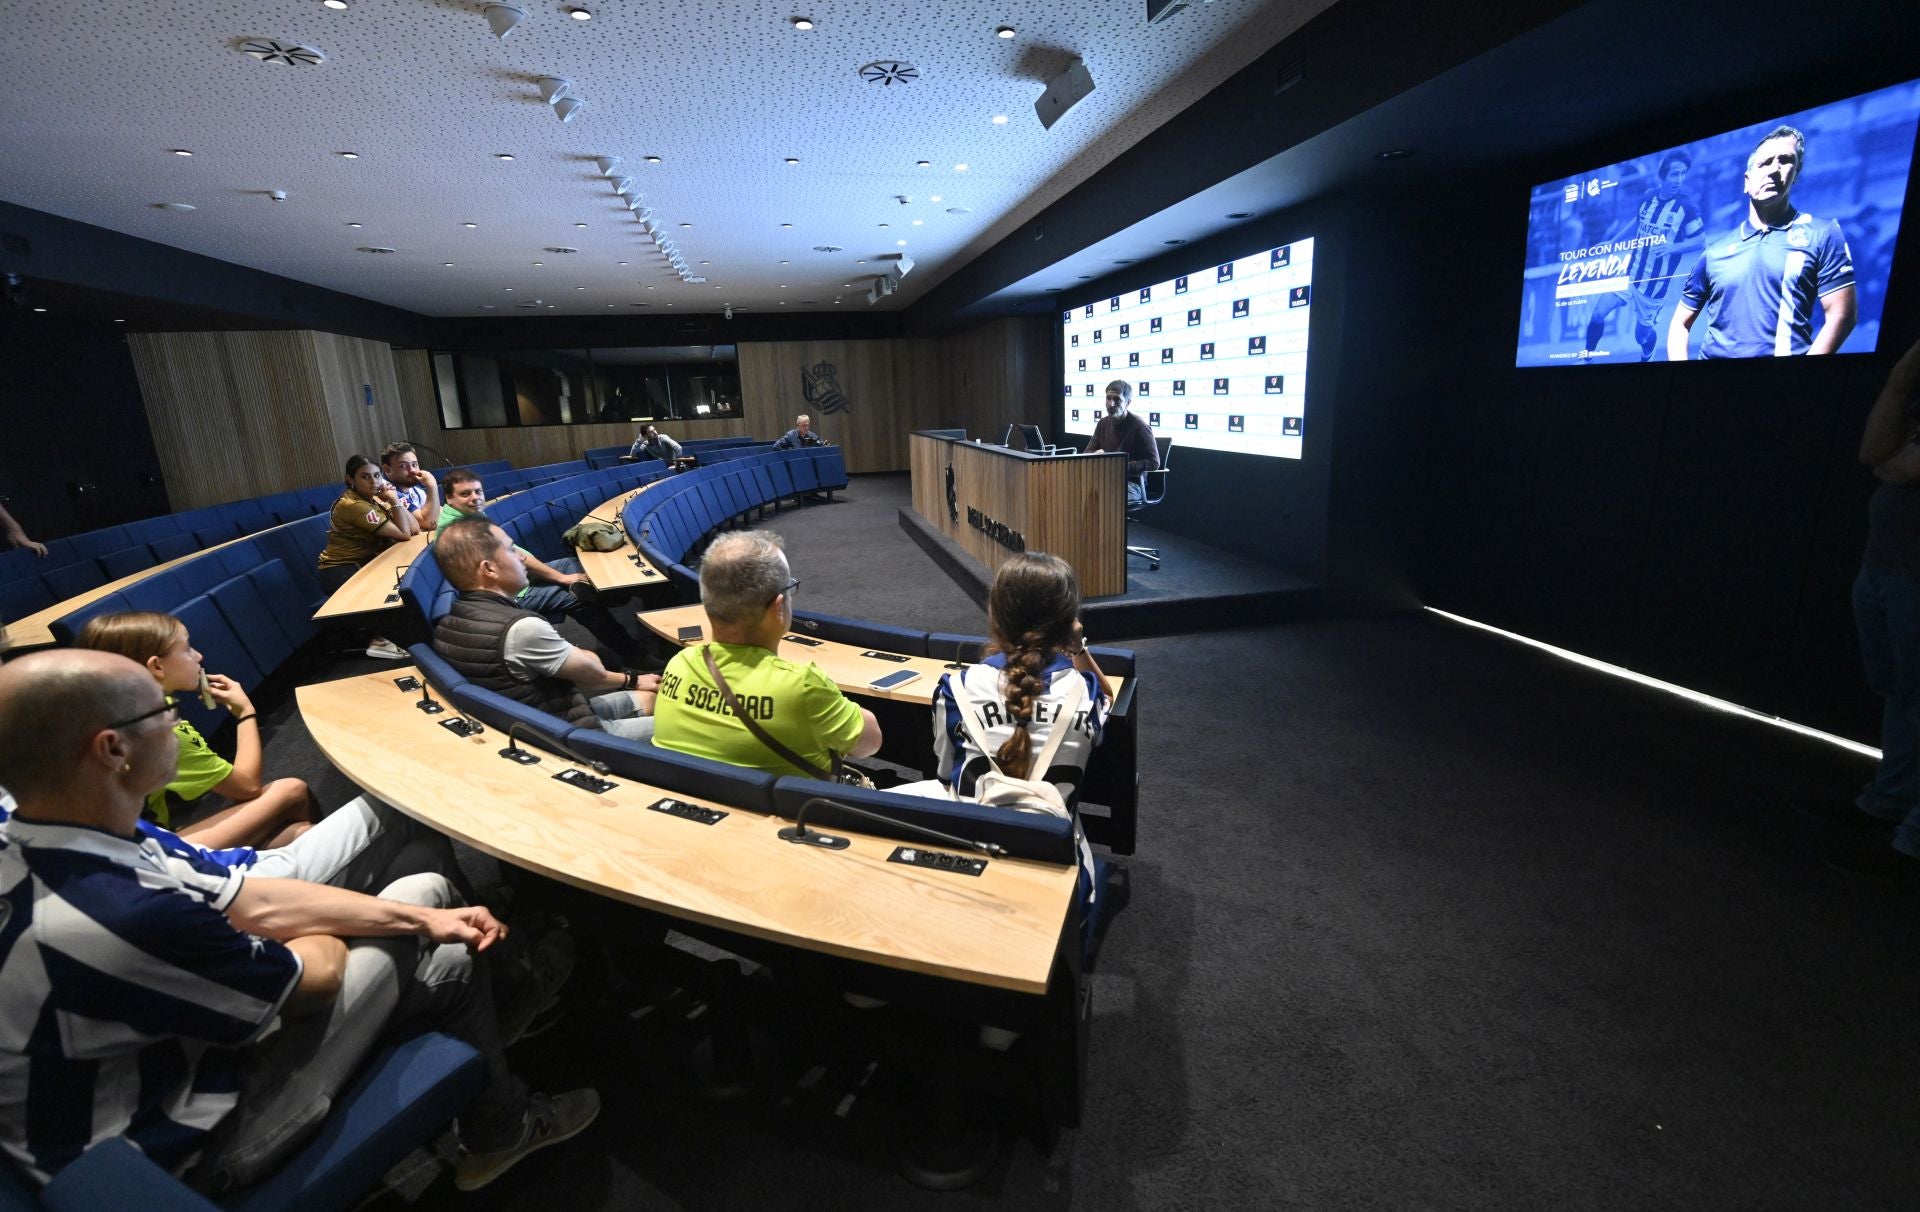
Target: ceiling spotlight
{"points": [[1240, 214], [446, 265], [933, 197], [1173, 241], [181, 151], [552, 88], [379, 250], [918, 222], [1005, 31], [606, 164], [503, 156], [619, 262], [348, 155], [923, 164], [338, 6], [800, 22], [119, 321], [579, 14], [40, 309], [469, 226], [579, 224], [786, 225], [566, 107], [652, 159], [901, 243], [792, 161], [538, 264], [999, 119], [686, 225], [504, 18], [625, 187], [354, 225], [1395, 153], [959, 168], [886, 225]]}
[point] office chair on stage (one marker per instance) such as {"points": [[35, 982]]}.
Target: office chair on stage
{"points": [[1030, 434], [1156, 492]]}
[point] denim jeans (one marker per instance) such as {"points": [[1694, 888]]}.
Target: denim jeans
{"points": [[556, 602], [619, 714], [1886, 610]]}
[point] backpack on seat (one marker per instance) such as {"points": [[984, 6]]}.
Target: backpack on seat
{"points": [[998, 789]]}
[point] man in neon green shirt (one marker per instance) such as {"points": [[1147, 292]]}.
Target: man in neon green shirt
{"points": [[554, 591], [747, 589]]}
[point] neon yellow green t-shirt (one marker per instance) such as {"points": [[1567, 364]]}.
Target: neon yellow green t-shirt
{"points": [[198, 771], [797, 704]]}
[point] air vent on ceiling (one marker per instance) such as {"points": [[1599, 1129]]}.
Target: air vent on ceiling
{"points": [[377, 249], [828, 248], [958, 210], [288, 54], [561, 248], [889, 72]]}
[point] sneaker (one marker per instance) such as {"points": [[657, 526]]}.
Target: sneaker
{"points": [[386, 650], [538, 992], [550, 1119]]}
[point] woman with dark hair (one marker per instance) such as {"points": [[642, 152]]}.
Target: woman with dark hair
{"points": [[366, 519]]}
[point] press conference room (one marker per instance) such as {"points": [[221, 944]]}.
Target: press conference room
{"points": [[1085, 605]]}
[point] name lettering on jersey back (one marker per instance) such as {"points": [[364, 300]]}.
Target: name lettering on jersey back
{"points": [[999, 715], [703, 697]]}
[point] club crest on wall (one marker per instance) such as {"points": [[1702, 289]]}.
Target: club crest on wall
{"points": [[820, 385]]}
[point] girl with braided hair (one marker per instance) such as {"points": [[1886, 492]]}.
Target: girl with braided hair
{"points": [[1024, 688]]}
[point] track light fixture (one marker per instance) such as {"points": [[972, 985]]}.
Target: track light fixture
{"points": [[503, 19], [606, 164], [552, 88], [568, 107], [624, 186]]}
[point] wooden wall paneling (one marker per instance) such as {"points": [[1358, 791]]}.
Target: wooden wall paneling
{"points": [[345, 368], [233, 415]]}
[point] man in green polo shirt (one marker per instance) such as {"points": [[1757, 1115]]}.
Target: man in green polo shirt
{"points": [[747, 590], [555, 591]]}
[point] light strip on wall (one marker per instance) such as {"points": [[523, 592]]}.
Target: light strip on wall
{"points": [[1692, 696]]}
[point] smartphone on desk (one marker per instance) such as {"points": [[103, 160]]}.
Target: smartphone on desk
{"points": [[689, 634], [894, 680]]}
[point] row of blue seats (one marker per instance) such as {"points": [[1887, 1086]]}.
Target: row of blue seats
{"points": [[670, 523], [607, 456], [82, 562]]}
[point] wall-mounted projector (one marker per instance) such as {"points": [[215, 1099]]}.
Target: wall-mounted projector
{"points": [[1063, 91]]}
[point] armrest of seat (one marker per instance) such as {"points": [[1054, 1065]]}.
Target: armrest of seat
{"points": [[1156, 485], [114, 1174]]}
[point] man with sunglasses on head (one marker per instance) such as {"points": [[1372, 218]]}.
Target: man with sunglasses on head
{"points": [[208, 1016], [747, 589]]}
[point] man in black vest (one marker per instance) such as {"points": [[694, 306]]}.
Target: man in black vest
{"points": [[515, 652]]}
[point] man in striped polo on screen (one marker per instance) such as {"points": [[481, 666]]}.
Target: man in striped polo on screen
{"points": [[1667, 227]]}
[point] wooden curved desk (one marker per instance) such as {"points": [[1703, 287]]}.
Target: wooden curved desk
{"points": [[374, 583], [1001, 929], [623, 567], [36, 630]]}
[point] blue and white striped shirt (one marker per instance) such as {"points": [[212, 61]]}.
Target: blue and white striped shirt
{"points": [[122, 988], [961, 764]]}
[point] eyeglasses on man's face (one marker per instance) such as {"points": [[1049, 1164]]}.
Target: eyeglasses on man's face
{"points": [[168, 709]]}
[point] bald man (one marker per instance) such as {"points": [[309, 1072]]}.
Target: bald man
{"points": [[167, 974]]}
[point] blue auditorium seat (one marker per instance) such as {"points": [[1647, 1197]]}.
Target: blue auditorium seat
{"points": [[858, 631], [1027, 835], [173, 546], [24, 595], [222, 652], [127, 561], [801, 466], [67, 628], [443, 677], [497, 711], [829, 467], [253, 621], [146, 530], [292, 608], [682, 773], [75, 578], [782, 477]]}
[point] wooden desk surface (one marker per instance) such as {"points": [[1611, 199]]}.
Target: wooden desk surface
{"points": [[374, 581], [623, 567], [999, 929], [36, 630]]}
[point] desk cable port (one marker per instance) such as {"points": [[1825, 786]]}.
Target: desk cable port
{"points": [[698, 813]]}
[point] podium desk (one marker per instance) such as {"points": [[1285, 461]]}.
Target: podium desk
{"points": [[1002, 929], [994, 503]]}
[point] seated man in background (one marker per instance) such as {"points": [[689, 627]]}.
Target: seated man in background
{"points": [[418, 491], [168, 975], [1123, 432], [501, 646], [555, 591], [747, 590], [800, 435], [652, 442]]}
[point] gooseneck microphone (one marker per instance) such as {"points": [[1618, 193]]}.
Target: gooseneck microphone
{"points": [[419, 446], [513, 752], [956, 663], [798, 831]]}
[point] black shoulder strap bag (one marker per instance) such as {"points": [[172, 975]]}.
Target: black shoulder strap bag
{"points": [[841, 772]]}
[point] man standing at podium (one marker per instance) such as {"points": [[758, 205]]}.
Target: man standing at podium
{"points": [[1123, 432]]}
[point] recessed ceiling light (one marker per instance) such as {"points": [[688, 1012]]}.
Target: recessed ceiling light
{"points": [[40, 309], [503, 155], [783, 262], [348, 155], [446, 265], [686, 225], [1395, 153], [710, 263], [800, 22], [923, 164], [579, 14], [355, 225], [378, 250], [918, 222], [901, 243], [649, 288], [1173, 241], [958, 210], [786, 225], [579, 224], [579, 288], [506, 288], [999, 119], [338, 6], [488, 306], [959, 168], [119, 321], [1005, 31], [180, 151], [783, 286], [933, 197], [652, 159], [619, 262], [1241, 214], [886, 225], [1123, 262], [791, 161], [1084, 277], [469, 226], [538, 264], [859, 262], [847, 284], [173, 206]]}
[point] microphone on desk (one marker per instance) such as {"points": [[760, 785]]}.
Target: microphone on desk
{"points": [[798, 831], [513, 752], [956, 662], [569, 751], [444, 460], [425, 701]]}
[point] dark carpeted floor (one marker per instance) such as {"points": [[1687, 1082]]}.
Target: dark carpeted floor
{"points": [[1420, 919]]}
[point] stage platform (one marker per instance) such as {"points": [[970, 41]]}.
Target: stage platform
{"points": [[1196, 587]]}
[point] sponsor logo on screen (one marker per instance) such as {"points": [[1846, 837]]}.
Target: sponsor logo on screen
{"points": [[1280, 257], [1256, 346], [1276, 384], [1193, 420], [1297, 297], [1224, 273], [1206, 351], [1240, 307], [1290, 427], [1236, 423], [1220, 387]]}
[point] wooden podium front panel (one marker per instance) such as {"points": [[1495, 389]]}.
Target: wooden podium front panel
{"points": [[1073, 507]]}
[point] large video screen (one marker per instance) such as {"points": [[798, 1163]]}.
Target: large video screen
{"points": [[1773, 240], [1217, 358]]}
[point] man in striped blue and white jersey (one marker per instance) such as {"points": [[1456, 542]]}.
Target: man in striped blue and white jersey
{"points": [[1666, 227], [1764, 278], [207, 1017]]}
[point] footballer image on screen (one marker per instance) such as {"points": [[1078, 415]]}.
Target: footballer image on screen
{"points": [[1771, 240], [1246, 319]]}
